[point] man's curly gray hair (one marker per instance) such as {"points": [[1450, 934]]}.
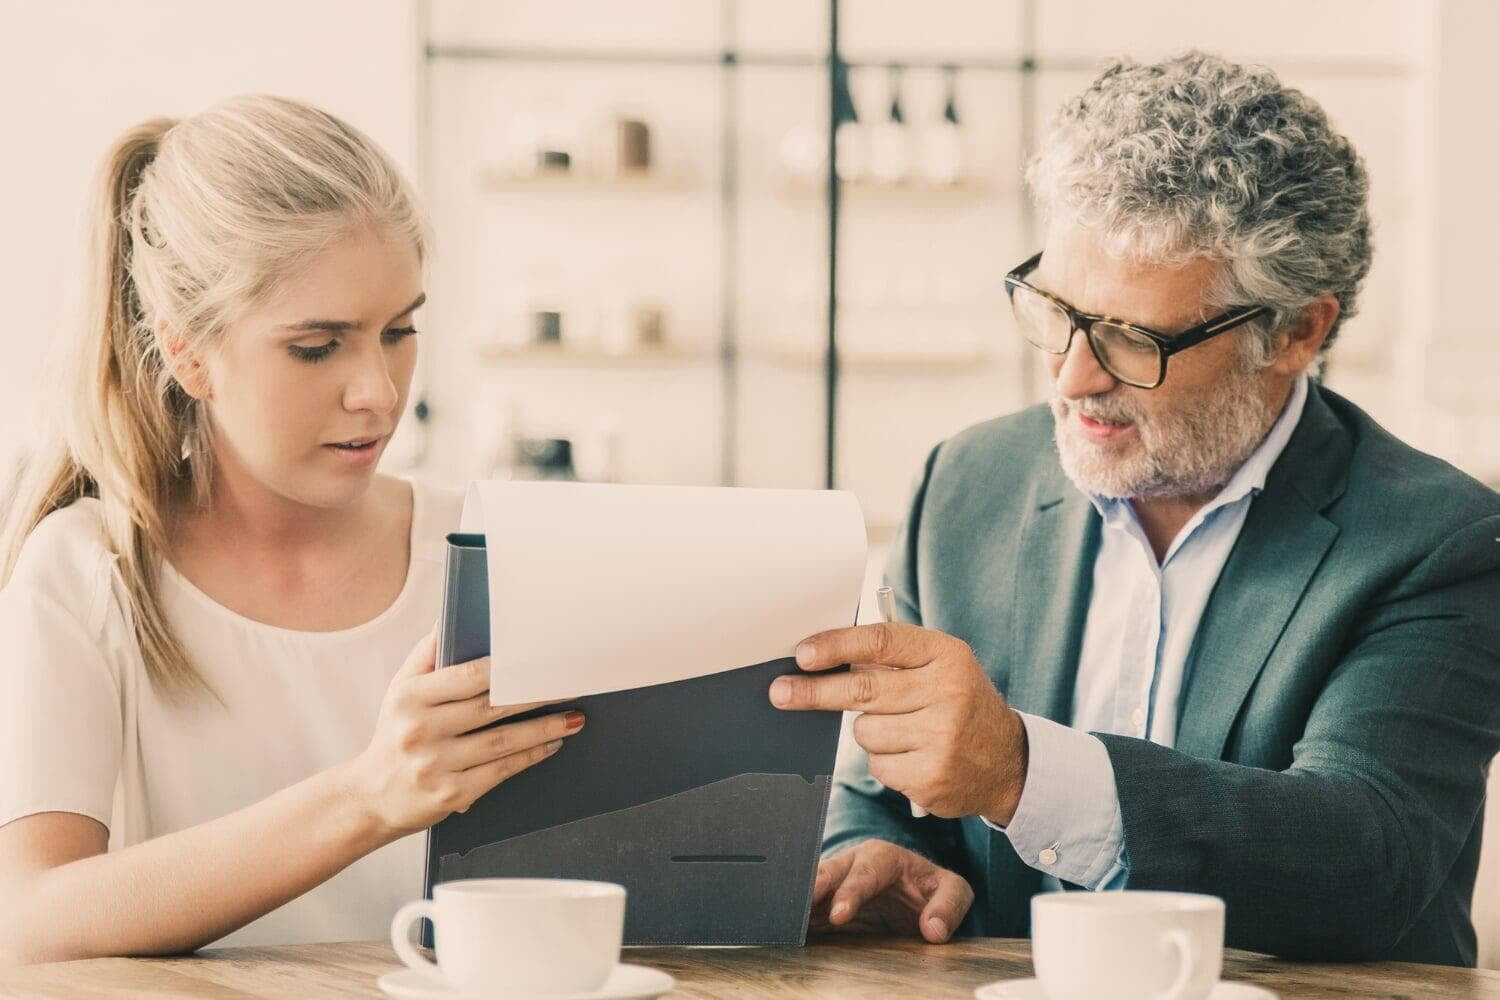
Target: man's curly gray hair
{"points": [[1199, 157]]}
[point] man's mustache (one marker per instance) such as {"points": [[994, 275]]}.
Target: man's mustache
{"points": [[1102, 408]]}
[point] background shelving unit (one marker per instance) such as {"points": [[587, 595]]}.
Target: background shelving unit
{"points": [[779, 358], [821, 332]]}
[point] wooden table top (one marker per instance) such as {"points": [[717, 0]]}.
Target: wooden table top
{"points": [[844, 968]]}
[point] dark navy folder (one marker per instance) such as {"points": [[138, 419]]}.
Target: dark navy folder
{"points": [[700, 797]]}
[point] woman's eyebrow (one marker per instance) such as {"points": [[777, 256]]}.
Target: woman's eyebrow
{"points": [[344, 325]]}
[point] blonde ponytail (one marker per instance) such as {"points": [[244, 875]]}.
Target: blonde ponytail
{"points": [[193, 221]]}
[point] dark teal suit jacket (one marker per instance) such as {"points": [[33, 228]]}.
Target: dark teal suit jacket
{"points": [[1341, 701]]}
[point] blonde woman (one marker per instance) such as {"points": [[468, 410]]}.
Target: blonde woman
{"points": [[207, 730]]}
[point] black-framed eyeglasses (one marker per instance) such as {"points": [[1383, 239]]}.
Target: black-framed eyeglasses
{"points": [[1131, 354]]}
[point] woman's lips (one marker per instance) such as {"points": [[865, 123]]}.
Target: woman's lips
{"points": [[1098, 430], [363, 454]]}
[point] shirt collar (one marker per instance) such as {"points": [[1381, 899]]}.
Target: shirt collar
{"points": [[1250, 477]]}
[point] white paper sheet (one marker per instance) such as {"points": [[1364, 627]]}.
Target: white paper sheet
{"points": [[597, 588]]}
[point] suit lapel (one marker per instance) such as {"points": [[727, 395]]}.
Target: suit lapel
{"points": [[1054, 574], [1280, 547]]}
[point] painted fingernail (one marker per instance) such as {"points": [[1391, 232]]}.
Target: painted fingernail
{"points": [[781, 691], [574, 721], [804, 654]]}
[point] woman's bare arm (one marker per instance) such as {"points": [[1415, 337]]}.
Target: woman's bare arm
{"points": [[66, 898]]}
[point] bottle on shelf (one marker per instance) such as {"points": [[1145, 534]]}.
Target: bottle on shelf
{"points": [[543, 458], [849, 135], [631, 147], [942, 141], [890, 140], [803, 152], [540, 143]]}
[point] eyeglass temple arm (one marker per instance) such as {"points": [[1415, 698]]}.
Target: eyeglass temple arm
{"points": [[1199, 334]]}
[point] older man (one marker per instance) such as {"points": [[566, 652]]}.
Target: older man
{"points": [[1200, 624]]}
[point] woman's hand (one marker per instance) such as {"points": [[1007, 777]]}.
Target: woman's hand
{"points": [[426, 761]]}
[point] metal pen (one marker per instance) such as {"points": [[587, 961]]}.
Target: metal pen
{"points": [[885, 603]]}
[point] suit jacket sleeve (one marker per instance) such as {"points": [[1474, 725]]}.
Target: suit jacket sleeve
{"points": [[861, 808], [1338, 855]]}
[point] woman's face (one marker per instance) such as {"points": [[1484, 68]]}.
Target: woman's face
{"points": [[304, 390]]}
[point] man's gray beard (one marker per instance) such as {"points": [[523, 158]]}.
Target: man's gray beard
{"points": [[1191, 452]]}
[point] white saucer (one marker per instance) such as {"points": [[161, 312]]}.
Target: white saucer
{"points": [[1030, 989], [626, 982]]}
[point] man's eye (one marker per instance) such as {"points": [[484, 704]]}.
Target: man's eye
{"points": [[313, 353]]}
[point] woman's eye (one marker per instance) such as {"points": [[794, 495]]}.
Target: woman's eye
{"points": [[313, 353], [399, 333]]}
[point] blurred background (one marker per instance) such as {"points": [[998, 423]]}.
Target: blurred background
{"points": [[638, 225], [638, 230]]}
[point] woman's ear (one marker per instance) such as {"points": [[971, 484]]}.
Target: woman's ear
{"points": [[183, 363]]}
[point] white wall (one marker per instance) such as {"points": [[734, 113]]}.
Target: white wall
{"points": [[1456, 371], [76, 73]]}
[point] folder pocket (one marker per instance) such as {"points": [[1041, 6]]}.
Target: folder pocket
{"points": [[690, 876]]}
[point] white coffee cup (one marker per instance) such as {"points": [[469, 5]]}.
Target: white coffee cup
{"points": [[517, 936], [1128, 945]]}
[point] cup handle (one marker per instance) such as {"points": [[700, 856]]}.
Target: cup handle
{"points": [[1187, 960], [401, 935]]}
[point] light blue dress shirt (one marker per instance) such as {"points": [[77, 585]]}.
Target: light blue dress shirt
{"points": [[1142, 617]]}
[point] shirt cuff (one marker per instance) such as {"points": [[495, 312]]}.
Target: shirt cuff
{"points": [[1068, 823]]}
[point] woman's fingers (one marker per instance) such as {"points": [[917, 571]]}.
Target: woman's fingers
{"points": [[487, 745], [480, 779], [454, 717], [466, 685], [455, 683], [422, 658]]}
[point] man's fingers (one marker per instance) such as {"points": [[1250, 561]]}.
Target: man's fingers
{"points": [[884, 692], [890, 644], [947, 908], [831, 872], [871, 872], [888, 734]]}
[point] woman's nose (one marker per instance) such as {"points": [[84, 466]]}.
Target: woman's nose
{"points": [[372, 387]]}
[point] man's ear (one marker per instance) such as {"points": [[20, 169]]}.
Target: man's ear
{"points": [[183, 363], [1301, 341]]}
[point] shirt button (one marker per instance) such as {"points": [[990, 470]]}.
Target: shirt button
{"points": [[1047, 857], [1138, 717]]}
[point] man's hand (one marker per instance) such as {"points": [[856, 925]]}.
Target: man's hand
{"points": [[876, 887], [935, 728]]}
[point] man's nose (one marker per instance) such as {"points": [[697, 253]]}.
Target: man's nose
{"points": [[1078, 373]]}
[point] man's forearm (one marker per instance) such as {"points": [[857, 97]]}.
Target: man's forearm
{"points": [[1312, 864]]}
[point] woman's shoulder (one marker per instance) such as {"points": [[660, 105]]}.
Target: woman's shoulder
{"points": [[67, 560], [435, 514]]}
